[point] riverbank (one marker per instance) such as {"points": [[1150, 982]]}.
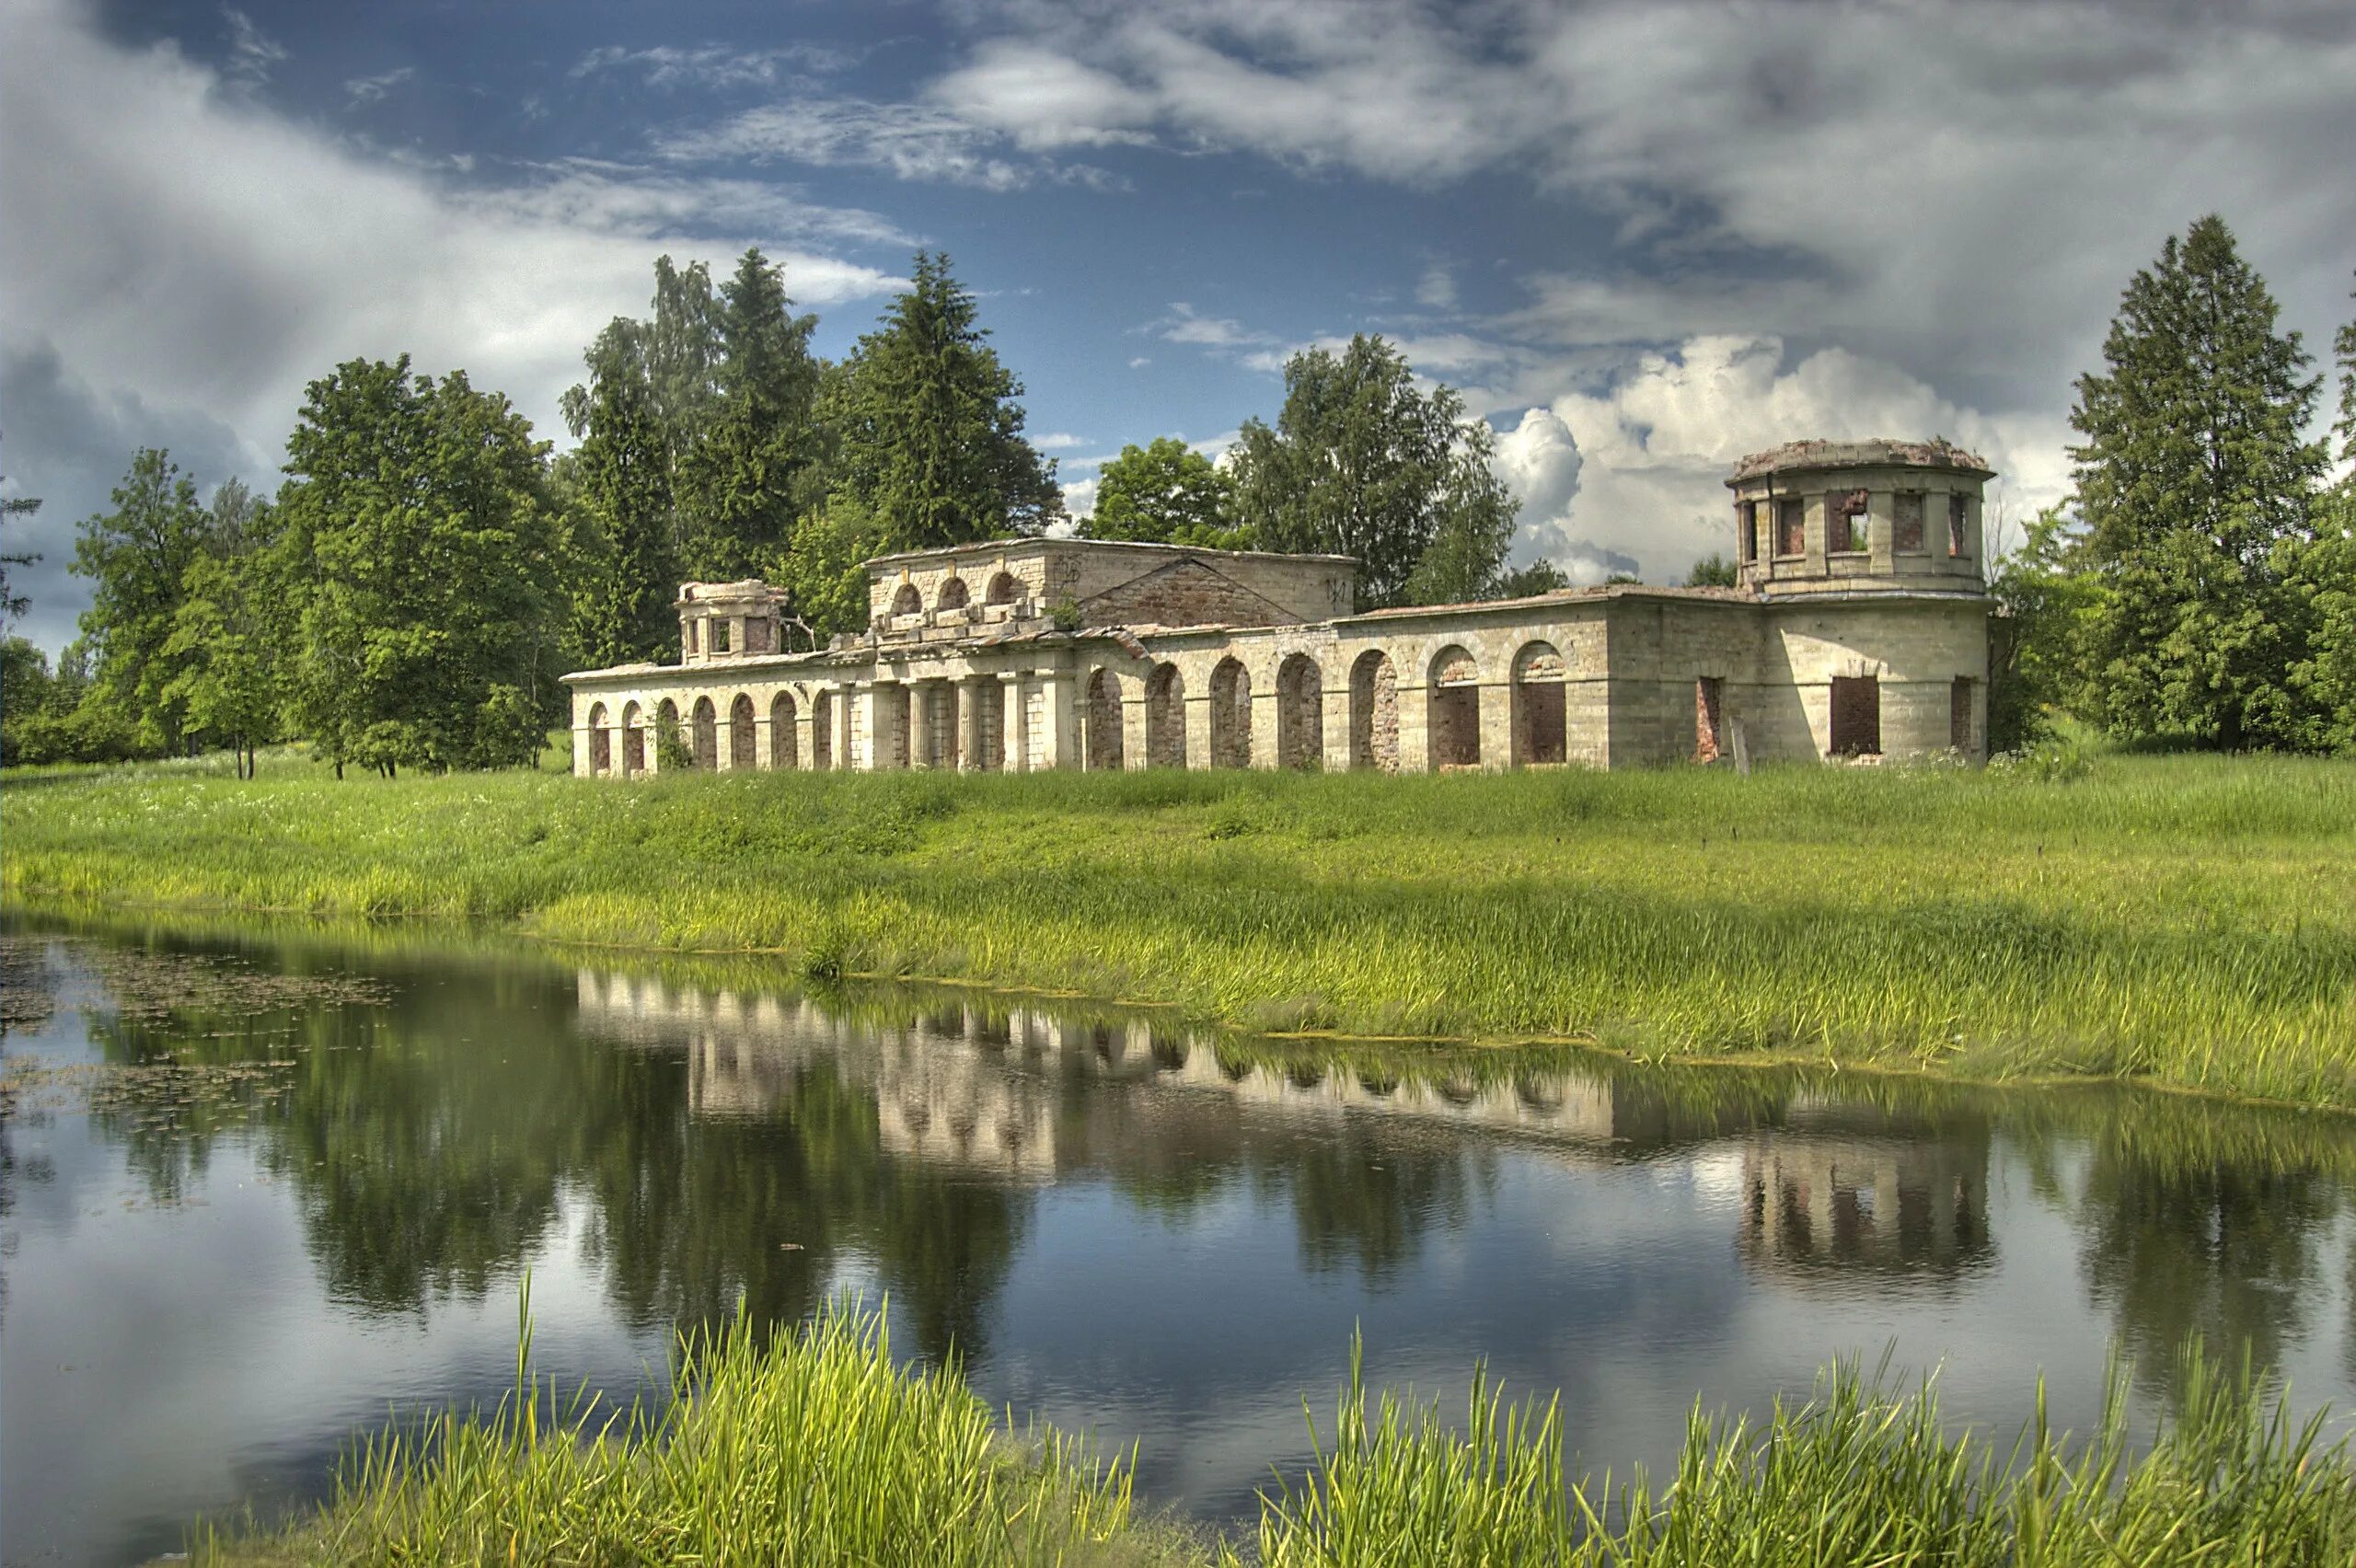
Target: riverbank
{"points": [[817, 1448], [2182, 919]]}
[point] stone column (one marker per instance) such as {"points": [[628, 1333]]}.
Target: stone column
{"points": [[1134, 751], [883, 699], [846, 697], [1263, 721], [1336, 741], [1198, 721], [1058, 746], [582, 749], [1415, 726], [974, 712], [1497, 724], [764, 740], [1010, 727]]}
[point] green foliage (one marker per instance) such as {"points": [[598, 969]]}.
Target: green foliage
{"points": [[627, 566], [2322, 576], [811, 1447], [817, 1448], [1361, 464], [2041, 641], [1537, 577], [743, 483], [136, 557], [2194, 487], [1712, 570], [12, 603], [930, 427], [823, 570], [226, 648], [421, 563], [1167, 493]]}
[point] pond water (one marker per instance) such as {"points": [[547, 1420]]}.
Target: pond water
{"points": [[261, 1191]]}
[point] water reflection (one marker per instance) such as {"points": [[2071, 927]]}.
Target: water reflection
{"points": [[1120, 1222]]}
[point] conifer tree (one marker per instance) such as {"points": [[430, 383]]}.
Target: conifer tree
{"points": [[2325, 577], [741, 485], [2194, 478], [629, 566], [930, 428]]}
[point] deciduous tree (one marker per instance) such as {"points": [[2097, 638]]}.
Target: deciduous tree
{"points": [[1362, 464], [420, 556], [1167, 493], [136, 557]]}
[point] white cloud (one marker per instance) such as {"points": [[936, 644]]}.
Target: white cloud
{"points": [[361, 91], [1436, 290], [1636, 469], [1184, 324], [188, 256], [908, 141], [253, 53], [713, 67], [1058, 441], [1139, 361], [1041, 100], [1079, 497]]}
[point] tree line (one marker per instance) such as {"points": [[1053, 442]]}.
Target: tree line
{"points": [[428, 567]]}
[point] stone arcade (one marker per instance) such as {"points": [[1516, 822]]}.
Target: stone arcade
{"points": [[1859, 630]]}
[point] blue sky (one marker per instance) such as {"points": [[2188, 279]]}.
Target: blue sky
{"points": [[1641, 238]]}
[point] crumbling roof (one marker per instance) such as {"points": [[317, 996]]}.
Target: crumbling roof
{"points": [[1935, 453]]}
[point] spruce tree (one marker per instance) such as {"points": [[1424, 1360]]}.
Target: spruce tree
{"points": [[930, 428], [630, 565], [741, 485], [2324, 578], [2193, 478]]}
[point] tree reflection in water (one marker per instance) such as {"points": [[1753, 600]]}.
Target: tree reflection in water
{"points": [[728, 1142]]}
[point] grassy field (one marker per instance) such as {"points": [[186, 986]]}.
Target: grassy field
{"points": [[816, 1449], [2187, 919]]}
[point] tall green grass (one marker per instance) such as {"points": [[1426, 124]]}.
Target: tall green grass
{"points": [[2187, 919], [815, 1449]]}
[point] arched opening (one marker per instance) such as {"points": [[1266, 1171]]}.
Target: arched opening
{"points": [[1374, 712], [821, 730], [1004, 589], [670, 739], [740, 755], [1455, 708], [1165, 717], [954, 596], [1300, 712], [785, 743], [1230, 715], [633, 742], [601, 743], [1538, 722], [1104, 721], [908, 601], [707, 741]]}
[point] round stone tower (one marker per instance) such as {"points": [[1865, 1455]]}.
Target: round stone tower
{"points": [[1859, 516]]}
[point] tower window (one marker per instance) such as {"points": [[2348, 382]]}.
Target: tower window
{"points": [[1746, 531], [1791, 526], [1845, 520], [1906, 521], [1959, 514]]}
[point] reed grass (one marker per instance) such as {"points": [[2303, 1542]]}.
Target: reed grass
{"points": [[816, 1448], [2185, 919]]}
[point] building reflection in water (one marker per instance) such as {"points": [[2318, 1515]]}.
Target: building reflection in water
{"points": [[1842, 1188]]}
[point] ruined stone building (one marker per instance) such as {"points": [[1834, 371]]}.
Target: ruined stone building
{"points": [[1859, 630]]}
